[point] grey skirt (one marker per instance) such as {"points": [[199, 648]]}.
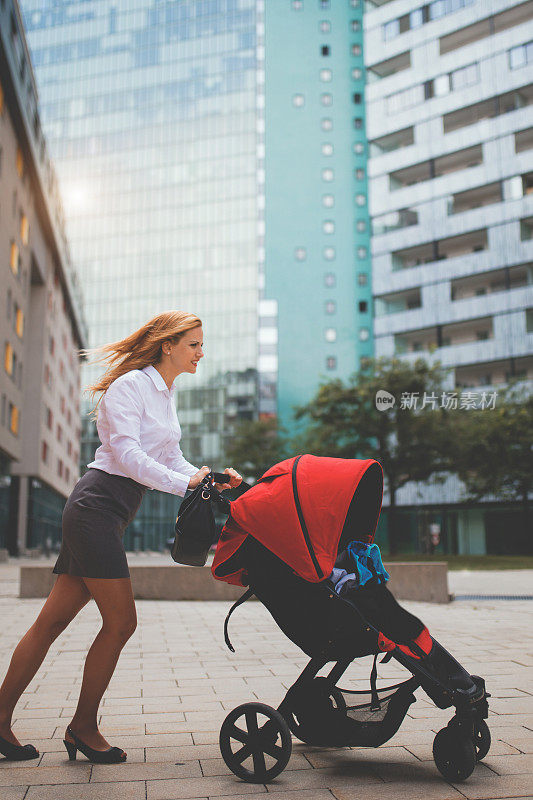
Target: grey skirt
{"points": [[94, 519]]}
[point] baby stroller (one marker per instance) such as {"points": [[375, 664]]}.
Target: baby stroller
{"points": [[282, 540]]}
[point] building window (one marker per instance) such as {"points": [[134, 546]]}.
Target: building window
{"points": [[326, 99], [49, 419], [357, 98], [325, 26], [51, 345], [325, 50], [521, 55], [355, 25], [361, 225], [328, 201], [59, 467], [357, 73], [24, 229], [364, 334], [19, 323], [1, 99], [358, 123], [330, 334], [329, 253], [324, 4], [330, 306], [325, 75], [359, 148], [326, 124], [330, 280], [4, 406], [8, 358], [360, 199], [331, 362], [327, 174], [14, 258], [391, 29], [19, 163], [362, 278], [14, 419], [298, 100], [363, 306], [44, 452], [355, 3], [297, 5], [300, 254], [356, 49], [360, 174], [59, 433], [362, 252], [328, 226], [327, 149]]}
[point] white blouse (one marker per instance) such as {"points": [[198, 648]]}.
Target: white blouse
{"points": [[140, 433]]}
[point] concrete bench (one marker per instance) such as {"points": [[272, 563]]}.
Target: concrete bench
{"points": [[427, 582]]}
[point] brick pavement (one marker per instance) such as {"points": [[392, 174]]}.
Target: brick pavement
{"points": [[176, 681]]}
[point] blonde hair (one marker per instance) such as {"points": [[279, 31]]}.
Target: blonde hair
{"points": [[139, 349]]}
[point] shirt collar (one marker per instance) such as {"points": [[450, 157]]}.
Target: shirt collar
{"points": [[157, 379]]}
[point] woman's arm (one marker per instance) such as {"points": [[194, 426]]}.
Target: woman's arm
{"points": [[124, 405]]}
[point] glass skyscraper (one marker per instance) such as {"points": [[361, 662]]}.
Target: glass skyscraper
{"points": [[150, 114]]}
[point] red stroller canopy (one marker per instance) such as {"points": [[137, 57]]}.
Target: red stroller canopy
{"points": [[304, 510]]}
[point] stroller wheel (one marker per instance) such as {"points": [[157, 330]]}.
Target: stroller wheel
{"points": [[454, 755], [264, 744], [482, 739]]}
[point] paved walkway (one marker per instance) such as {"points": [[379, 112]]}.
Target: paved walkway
{"points": [[176, 681]]}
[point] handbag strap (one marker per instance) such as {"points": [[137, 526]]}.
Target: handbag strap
{"points": [[242, 599]]}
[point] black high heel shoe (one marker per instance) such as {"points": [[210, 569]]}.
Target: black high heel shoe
{"points": [[16, 752], [114, 755]]}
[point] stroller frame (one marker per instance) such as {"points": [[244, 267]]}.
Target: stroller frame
{"points": [[315, 709]]}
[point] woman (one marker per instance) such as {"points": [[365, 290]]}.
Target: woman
{"points": [[140, 435]]}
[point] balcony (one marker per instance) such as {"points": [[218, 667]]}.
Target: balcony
{"points": [[452, 247], [487, 109], [391, 142], [394, 221], [492, 373], [436, 167], [389, 67], [486, 27], [475, 198], [397, 302], [499, 280], [457, 333]]}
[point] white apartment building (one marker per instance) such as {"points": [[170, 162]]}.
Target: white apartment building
{"points": [[449, 103]]}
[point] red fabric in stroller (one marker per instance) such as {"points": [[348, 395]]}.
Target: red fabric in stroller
{"points": [[302, 509]]}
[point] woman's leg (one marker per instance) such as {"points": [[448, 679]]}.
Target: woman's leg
{"points": [[114, 598], [66, 599]]}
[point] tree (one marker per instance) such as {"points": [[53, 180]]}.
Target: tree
{"points": [[256, 446], [408, 438], [494, 449]]}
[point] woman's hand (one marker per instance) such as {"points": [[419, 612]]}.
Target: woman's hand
{"points": [[234, 479], [198, 478]]}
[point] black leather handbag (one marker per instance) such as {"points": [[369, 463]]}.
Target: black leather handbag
{"points": [[195, 529]]}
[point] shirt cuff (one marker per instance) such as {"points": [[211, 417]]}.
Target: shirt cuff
{"points": [[180, 483]]}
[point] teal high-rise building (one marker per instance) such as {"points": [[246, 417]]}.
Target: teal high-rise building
{"points": [[316, 315]]}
